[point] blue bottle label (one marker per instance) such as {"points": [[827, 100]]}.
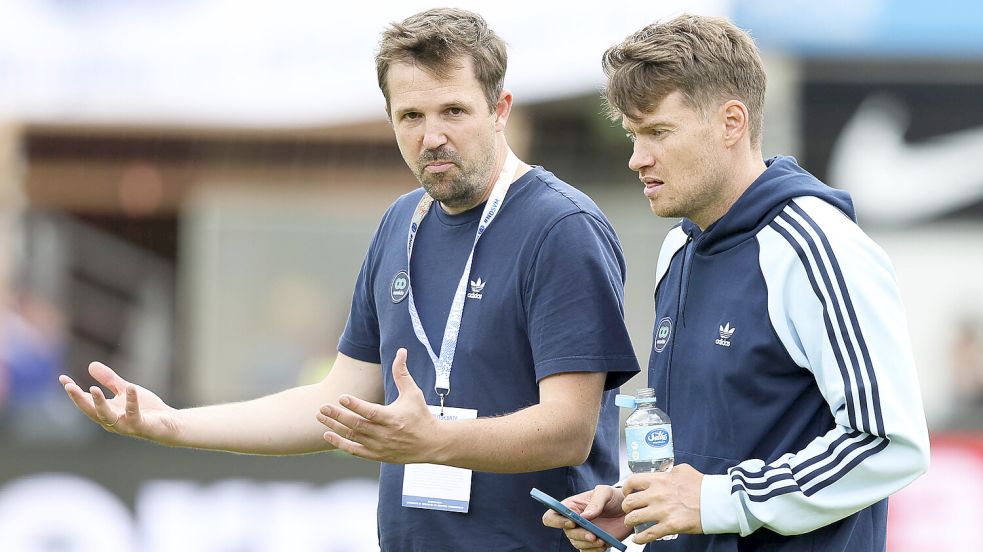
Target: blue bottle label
{"points": [[651, 443]]}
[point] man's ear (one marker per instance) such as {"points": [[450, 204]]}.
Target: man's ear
{"points": [[502, 110], [736, 121]]}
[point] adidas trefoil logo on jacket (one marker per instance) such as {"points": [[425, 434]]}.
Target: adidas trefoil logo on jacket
{"points": [[725, 332]]}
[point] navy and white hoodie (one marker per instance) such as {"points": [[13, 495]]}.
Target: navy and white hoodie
{"points": [[782, 357]]}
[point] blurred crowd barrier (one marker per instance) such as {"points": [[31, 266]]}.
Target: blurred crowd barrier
{"points": [[160, 509], [55, 511]]}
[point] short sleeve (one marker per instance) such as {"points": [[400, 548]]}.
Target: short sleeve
{"points": [[574, 302], [360, 340]]}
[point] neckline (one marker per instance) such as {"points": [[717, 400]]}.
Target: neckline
{"points": [[472, 215]]}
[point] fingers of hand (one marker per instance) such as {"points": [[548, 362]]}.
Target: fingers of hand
{"points": [[351, 447], [104, 412], [642, 514], [107, 377], [405, 383], [364, 409], [581, 539], [132, 402], [400, 370], [81, 399], [641, 482], [344, 422], [635, 501], [553, 519], [400, 362], [599, 499], [655, 532]]}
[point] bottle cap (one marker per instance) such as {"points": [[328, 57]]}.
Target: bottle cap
{"points": [[631, 401], [624, 401]]}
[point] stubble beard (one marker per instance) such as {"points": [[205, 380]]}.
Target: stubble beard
{"points": [[459, 188], [695, 199]]}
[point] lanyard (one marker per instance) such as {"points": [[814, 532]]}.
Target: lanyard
{"points": [[442, 364]]}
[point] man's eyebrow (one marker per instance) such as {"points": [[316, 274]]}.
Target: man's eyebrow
{"points": [[441, 107], [648, 126]]}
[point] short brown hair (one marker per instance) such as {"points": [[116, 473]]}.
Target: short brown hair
{"points": [[435, 39], [705, 58]]}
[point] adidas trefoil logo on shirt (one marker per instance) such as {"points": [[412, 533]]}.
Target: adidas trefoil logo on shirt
{"points": [[725, 332], [477, 286]]}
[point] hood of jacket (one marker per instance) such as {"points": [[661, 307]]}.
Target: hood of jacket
{"points": [[782, 180]]}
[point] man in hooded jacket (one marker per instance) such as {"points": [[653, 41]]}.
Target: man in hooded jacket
{"points": [[780, 349]]}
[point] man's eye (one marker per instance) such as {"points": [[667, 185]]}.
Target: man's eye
{"points": [[412, 115], [455, 111]]}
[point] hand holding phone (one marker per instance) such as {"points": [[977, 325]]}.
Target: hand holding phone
{"points": [[558, 507]]}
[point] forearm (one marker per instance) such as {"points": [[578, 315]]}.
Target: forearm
{"points": [[282, 423], [278, 424], [543, 436]]}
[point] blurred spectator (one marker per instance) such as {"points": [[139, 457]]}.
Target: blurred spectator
{"points": [[33, 348], [31, 357]]}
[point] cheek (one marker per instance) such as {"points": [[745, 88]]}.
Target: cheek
{"points": [[408, 145], [473, 140]]}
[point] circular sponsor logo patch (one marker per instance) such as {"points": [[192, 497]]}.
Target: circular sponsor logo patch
{"points": [[662, 334], [400, 287]]}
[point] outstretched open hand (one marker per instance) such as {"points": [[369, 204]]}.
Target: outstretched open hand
{"points": [[132, 410]]}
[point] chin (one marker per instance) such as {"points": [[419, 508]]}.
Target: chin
{"points": [[665, 211]]}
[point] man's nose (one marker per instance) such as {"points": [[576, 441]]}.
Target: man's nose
{"points": [[434, 135], [639, 158]]}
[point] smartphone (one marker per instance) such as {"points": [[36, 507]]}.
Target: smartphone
{"points": [[556, 506]]}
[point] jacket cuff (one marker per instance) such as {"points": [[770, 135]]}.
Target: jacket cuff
{"points": [[717, 509]]}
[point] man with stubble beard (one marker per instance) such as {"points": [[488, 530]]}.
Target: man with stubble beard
{"points": [[494, 292]]}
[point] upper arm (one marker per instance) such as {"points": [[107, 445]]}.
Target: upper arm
{"points": [[353, 377], [577, 393]]}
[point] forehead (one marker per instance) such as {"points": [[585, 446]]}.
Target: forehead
{"points": [[673, 109], [412, 85]]}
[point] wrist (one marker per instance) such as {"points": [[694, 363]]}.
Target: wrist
{"points": [[171, 429], [439, 442]]}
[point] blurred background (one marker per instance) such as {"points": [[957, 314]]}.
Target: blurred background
{"points": [[187, 189]]}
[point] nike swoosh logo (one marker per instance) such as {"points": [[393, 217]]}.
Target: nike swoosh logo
{"points": [[896, 181]]}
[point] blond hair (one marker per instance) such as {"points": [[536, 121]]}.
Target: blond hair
{"points": [[435, 39], [706, 59]]}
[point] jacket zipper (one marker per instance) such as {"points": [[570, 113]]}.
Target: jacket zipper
{"points": [[680, 309]]}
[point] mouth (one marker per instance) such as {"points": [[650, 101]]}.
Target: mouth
{"points": [[651, 184], [438, 166]]}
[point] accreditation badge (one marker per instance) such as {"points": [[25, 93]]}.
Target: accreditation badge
{"points": [[436, 487]]}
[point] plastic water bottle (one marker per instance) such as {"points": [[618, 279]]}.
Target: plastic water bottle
{"points": [[648, 434]]}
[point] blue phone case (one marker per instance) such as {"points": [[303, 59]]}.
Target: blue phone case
{"points": [[558, 507]]}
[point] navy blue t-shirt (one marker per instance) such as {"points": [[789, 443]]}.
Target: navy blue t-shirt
{"points": [[552, 302]]}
